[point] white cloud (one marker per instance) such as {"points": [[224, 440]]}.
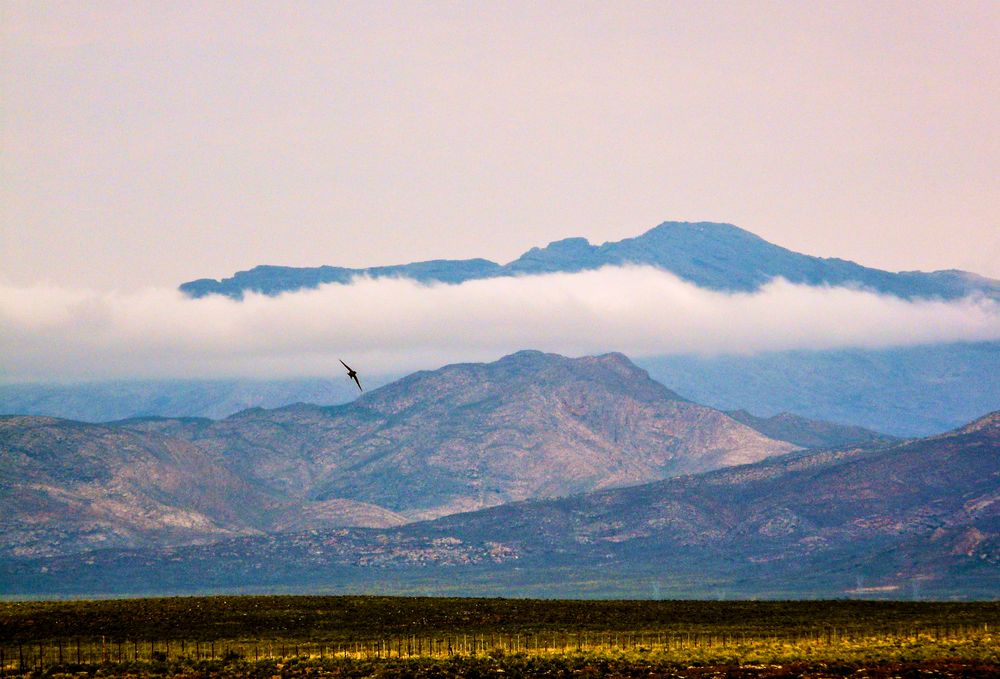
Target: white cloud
{"points": [[394, 325]]}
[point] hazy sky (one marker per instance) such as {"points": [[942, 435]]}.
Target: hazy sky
{"points": [[151, 143]]}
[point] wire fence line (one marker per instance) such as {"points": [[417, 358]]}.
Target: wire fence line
{"points": [[20, 658]]}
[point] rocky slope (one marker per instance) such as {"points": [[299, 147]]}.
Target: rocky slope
{"points": [[463, 437], [919, 512], [69, 486], [472, 435], [920, 518]]}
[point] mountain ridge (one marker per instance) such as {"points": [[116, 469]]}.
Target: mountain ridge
{"points": [[810, 433], [709, 254]]}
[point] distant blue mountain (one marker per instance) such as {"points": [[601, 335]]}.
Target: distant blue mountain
{"points": [[711, 255], [214, 398], [273, 280], [904, 391]]}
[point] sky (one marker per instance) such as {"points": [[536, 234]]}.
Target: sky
{"points": [[145, 144], [150, 143]]}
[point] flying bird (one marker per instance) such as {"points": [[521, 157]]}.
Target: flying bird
{"points": [[352, 374]]}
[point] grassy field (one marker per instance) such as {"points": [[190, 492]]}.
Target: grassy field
{"points": [[386, 636]]}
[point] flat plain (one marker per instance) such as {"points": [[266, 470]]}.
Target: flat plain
{"points": [[359, 636]]}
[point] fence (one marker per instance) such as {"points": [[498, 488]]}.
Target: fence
{"points": [[25, 657]]}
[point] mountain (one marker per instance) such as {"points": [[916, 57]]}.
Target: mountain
{"points": [[69, 484], [810, 433], [919, 518], [710, 255], [463, 437], [922, 513], [123, 399], [904, 391], [472, 435]]}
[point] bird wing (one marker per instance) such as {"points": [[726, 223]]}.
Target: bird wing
{"points": [[345, 365], [356, 381]]}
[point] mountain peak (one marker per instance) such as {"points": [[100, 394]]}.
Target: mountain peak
{"points": [[525, 355], [610, 363], [579, 423], [573, 244], [617, 362], [615, 358], [568, 254], [709, 228], [535, 355]]}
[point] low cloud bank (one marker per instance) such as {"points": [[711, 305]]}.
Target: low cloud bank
{"points": [[396, 325]]}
